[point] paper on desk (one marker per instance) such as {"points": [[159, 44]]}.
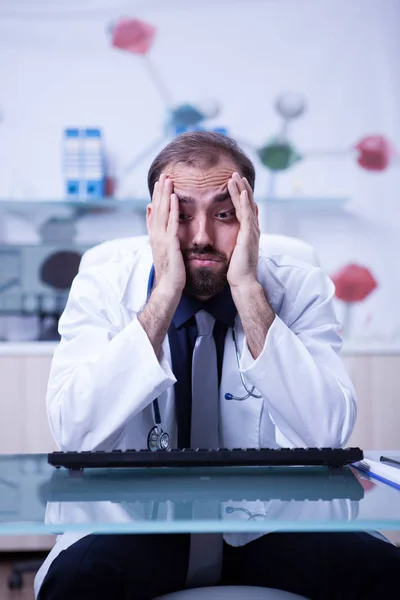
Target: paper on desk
{"points": [[385, 471]]}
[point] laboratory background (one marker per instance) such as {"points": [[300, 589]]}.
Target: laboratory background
{"points": [[91, 90]]}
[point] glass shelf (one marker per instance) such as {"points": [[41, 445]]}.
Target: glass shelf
{"points": [[304, 203], [277, 214], [99, 203], [294, 202]]}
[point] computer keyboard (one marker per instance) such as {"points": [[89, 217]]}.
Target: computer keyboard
{"points": [[235, 457]]}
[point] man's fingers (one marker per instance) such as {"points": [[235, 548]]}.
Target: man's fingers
{"points": [[240, 198], [165, 202], [155, 192], [248, 199], [161, 202], [252, 203], [173, 218], [250, 193], [239, 181], [155, 200], [245, 206], [235, 197], [249, 190]]}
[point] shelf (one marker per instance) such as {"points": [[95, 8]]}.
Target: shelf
{"points": [[305, 203], [294, 202], [277, 214], [100, 203]]}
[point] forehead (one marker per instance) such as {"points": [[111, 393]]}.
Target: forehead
{"points": [[201, 181]]}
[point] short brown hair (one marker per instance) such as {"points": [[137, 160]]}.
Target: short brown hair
{"points": [[200, 148]]}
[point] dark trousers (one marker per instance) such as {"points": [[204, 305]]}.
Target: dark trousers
{"points": [[320, 566]]}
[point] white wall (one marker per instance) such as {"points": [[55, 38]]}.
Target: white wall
{"points": [[343, 56]]}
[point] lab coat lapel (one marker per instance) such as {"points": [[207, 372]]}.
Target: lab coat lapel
{"points": [[273, 288], [134, 298], [134, 295], [240, 420]]}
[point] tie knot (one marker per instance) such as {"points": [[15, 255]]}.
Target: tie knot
{"points": [[205, 323]]}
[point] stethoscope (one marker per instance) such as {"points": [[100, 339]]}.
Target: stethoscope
{"points": [[251, 516], [158, 439]]}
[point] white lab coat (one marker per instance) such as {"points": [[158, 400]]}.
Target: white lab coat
{"points": [[105, 375]]}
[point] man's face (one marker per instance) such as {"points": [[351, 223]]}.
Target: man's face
{"points": [[208, 226]]}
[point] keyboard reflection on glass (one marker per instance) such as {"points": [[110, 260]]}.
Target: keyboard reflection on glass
{"points": [[222, 457], [282, 484]]}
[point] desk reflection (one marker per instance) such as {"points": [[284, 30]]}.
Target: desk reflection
{"points": [[241, 504], [267, 498]]}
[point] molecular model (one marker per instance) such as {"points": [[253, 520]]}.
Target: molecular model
{"points": [[372, 152]]}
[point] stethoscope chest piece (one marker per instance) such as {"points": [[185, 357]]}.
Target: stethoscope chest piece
{"points": [[158, 439]]}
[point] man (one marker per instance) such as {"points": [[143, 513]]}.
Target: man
{"points": [[130, 335]]}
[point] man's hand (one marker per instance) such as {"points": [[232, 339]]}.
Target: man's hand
{"points": [[248, 295], [163, 223], [242, 270]]}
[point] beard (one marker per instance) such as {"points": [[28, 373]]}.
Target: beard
{"points": [[205, 281]]}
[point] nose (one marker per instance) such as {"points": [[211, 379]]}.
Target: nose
{"points": [[202, 232]]}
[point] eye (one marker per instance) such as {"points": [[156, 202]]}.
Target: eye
{"points": [[183, 218], [226, 214]]}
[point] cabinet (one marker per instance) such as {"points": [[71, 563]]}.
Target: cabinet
{"points": [[24, 427], [377, 382], [24, 370]]}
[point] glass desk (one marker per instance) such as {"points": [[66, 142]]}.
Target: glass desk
{"points": [[35, 498]]}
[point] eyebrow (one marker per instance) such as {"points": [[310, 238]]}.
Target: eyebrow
{"points": [[218, 198]]}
